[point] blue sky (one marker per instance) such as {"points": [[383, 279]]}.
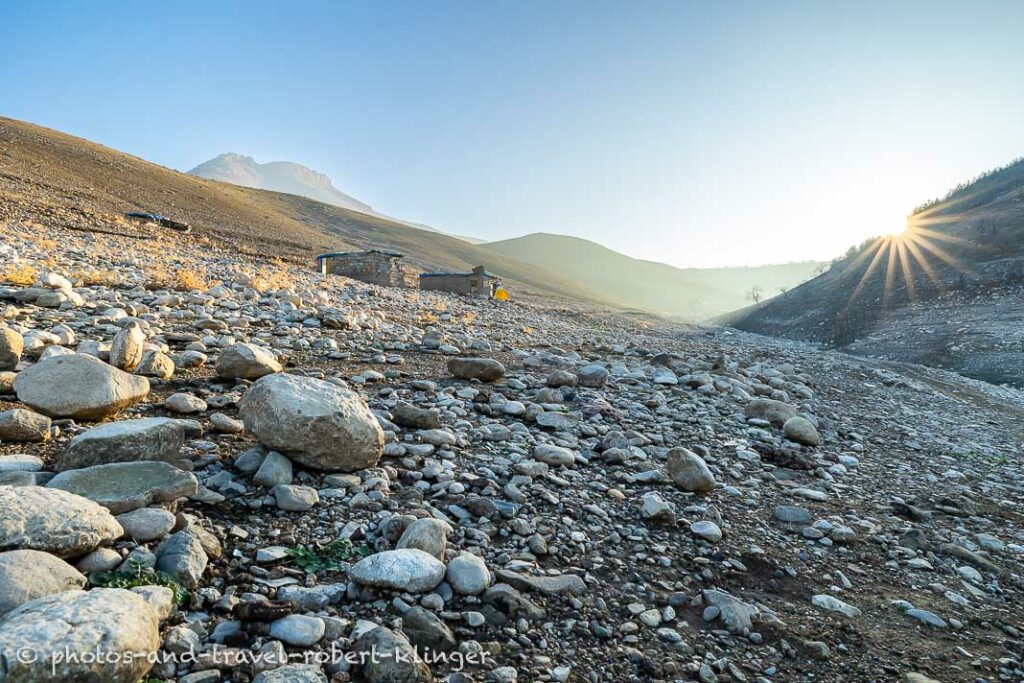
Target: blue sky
{"points": [[710, 133]]}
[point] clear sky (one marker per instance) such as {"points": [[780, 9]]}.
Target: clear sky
{"points": [[705, 133]]}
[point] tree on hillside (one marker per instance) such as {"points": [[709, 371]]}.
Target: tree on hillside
{"points": [[755, 294]]}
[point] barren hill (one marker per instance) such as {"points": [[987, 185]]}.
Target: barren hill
{"points": [[277, 176], [947, 293], [65, 180], [692, 293]]}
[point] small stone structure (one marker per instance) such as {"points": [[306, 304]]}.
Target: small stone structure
{"points": [[373, 266], [477, 283]]}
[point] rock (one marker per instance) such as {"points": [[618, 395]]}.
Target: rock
{"points": [[709, 531], [20, 463], [146, 524], [426, 631], [276, 469], [298, 630], [428, 534], [656, 509], [24, 425], [295, 498], [554, 455], [7, 382], [246, 361], [291, 673], [126, 349], [153, 438], [409, 569], [185, 404], [561, 378], [563, 584], [183, 557], [737, 615], [12, 345], [592, 376], [800, 430], [99, 560], [318, 424], [467, 574], [53, 521], [113, 621], [689, 472], [156, 364], [100, 390], [483, 369], [226, 425], [768, 409], [407, 415], [791, 514], [121, 487], [29, 574], [835, 605], [387, 657], [927, 618]]}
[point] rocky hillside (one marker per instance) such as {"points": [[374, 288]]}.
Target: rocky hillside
{"points": [[235, 469], [689, 293], [946, 293], [277, 176]]}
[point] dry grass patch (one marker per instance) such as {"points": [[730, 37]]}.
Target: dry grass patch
{"points": [[19, 274]]}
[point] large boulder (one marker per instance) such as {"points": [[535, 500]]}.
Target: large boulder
{"points": [[24, 425], [118, 623], [125, 486], [152, 438], [483, 369], [802, 431], [771, 410], [12, 345], [78, 386], [246, 361], [319, 424], [29, 574], [54, 521], [410, 570]]}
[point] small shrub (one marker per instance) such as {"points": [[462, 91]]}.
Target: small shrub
{"points": [[139, 575], [330, 557], [19, 274]]}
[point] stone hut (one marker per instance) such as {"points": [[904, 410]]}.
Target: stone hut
{"points": [[374, 266], [477, 283]]}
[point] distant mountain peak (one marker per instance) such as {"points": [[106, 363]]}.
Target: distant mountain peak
{"points": [[277, 176]]}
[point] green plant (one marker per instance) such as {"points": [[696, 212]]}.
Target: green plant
{"points": [[139, 574], [330, 557]]}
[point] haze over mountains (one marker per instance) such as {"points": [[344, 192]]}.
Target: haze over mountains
{"points": [[947, 293], [627, 282]]}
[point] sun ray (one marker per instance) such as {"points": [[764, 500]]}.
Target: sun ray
{"points": [[944, 255], [879, 249], [877, 244], [914, 250], [908, 273], [890, 276]]}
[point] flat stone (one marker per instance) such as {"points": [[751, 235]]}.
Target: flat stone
{"points": [[124, 486], [24, 425], [154, 438], [53, 521], [562, 584]]}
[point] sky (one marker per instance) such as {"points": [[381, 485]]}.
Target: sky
{"points": [[693, 133]]}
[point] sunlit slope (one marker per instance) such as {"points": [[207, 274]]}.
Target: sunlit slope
{"points": [[927, 295], [693, 293]]}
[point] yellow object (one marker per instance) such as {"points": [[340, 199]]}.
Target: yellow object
{"points": [[501, 294]]}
